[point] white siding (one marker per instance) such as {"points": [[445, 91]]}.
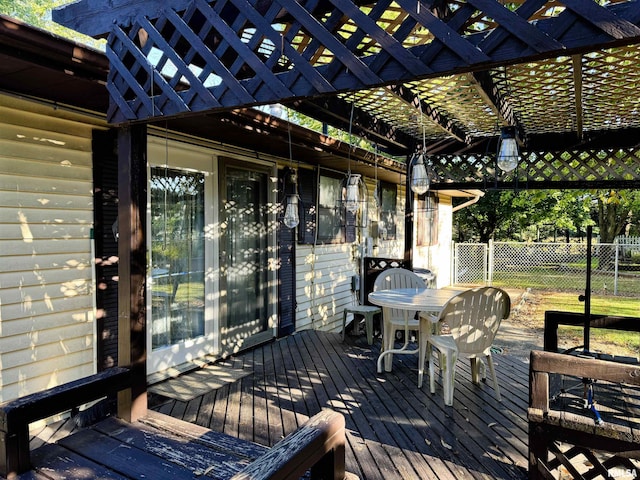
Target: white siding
{"points": [[47, 330], [323, 272], [323, 285], [437, 258]]}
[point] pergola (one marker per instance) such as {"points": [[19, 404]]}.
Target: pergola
{"points": [[439, 76]]}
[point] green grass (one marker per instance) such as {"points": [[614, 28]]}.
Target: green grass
{"points": [[609, 341], [545, 278]]}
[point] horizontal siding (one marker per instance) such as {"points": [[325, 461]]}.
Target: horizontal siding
{"points": [[46, 216], [14, 183], [60, 261], [23, 341], [43, 375], [23, 280], [323, 272], [52, 231], [323, 285], [28, 200]]}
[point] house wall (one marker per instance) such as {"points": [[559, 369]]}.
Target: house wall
{"points": [[437, 258], [324, 272], [47, 333]]}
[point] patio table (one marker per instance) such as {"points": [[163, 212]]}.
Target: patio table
{"points": [[427, 300]]}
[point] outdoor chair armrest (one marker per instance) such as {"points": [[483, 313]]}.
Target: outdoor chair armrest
{"points": [[319, 444]]}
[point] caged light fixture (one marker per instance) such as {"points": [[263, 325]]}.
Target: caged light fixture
{"points": [[291, 217], [508, 156], [353, 185], [420, 181]]}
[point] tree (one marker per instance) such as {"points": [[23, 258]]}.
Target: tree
{"points": [[38, 14], [616, 210], [492, 215]]}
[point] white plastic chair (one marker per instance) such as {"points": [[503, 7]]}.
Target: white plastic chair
{"points": [[473, 318], [393, 318]]}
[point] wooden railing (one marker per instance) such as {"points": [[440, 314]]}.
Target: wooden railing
{"points": [[571, 424], [554, 319]]}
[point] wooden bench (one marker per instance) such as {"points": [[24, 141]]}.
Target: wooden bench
{"points": [[158, 446], [567, 438]]}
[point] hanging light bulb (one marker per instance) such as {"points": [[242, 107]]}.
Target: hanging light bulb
{"points": [[291, 216], [508, 156], [353, 193], [419, 179]]}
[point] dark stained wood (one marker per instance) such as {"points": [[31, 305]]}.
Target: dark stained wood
{"points": [[161, 447], [16, 415], [394, 430], [577, 29], [608, 436], [132, 339], [553, 319]]}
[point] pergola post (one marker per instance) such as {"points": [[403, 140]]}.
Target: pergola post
{"points": [[132, 192]]}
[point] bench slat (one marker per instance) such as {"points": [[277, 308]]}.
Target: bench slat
{"points": [[195, 455]]}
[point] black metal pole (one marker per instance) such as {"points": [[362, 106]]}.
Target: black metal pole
{"points": [[587, 294]]}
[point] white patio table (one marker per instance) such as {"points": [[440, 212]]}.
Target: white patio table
{"points": [[425, 300]]}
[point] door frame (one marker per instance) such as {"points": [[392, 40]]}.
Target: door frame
{"points": [[179, 155]]}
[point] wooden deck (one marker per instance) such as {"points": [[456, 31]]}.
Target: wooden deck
{"points": [[394, 430]]}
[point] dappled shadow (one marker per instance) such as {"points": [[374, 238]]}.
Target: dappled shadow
{"points": [[394, 429]]}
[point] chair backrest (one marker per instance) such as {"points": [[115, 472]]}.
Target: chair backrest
{"points": [[393, 278], [474, 317]]}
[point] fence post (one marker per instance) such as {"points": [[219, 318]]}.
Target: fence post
{"points": [[489, 263], [454, 263], [615, 268]]}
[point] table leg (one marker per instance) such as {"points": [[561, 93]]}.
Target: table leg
{"points": [[402, 350]]}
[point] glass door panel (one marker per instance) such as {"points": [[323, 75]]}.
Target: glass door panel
{"points": [[244, 292], [177, 256]]}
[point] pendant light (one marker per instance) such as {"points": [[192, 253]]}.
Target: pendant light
{"points": [[291, 217], [508, 155], [352, 183], [419, 177], [353, 192]]}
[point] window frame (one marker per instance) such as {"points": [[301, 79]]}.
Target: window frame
{"points": [[388, 217]]}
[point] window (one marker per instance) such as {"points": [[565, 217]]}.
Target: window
{"points": [[426, 220], [388, 213], [330, 222]]}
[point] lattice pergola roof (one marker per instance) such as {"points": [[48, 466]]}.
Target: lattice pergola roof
{"points": [[565, 74]]}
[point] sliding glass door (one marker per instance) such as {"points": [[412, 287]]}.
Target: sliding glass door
{"points": [[244, 255]]}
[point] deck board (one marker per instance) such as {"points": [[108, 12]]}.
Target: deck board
{"points": [[394, 429]]}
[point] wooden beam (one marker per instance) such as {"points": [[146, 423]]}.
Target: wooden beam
{"points": [[236, 38], [132, 267], [490, 93], [95, 17], [577, 93], [431, 113], [337, 112]]}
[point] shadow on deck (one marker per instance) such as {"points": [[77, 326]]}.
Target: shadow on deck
{"points": [[394, 429]]}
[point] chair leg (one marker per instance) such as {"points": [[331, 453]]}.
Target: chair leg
{"points": [[387, 344], [424, 353], [448, 375], [432, 372], [494, 377], [368, 325], [475, 370], [344, 323]]}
